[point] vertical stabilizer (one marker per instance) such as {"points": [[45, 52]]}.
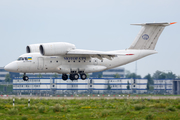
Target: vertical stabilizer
{"points": [[148, 35]]}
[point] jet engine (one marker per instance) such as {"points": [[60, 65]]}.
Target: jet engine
{"points": [[32, 48], [55, 49]]}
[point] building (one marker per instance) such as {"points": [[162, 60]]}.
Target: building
{"points": [[3, 74], [176, 87], [89, 86], [163, 86], [105, 74], [111, 73]]}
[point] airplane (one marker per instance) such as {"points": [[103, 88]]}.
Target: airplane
{"points": [[63, 58]]}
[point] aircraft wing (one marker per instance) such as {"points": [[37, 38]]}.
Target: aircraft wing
{"points": [[95, 54]]}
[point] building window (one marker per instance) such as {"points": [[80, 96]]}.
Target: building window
{"points": [[90, 85]]}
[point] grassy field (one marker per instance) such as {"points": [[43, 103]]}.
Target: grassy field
{"points": [[86, 109]]}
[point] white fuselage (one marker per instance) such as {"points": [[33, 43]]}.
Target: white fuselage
{"points": [[64, 58], [66, 63]]}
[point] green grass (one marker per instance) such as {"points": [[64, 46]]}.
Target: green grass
{"points": [[102, 109]]}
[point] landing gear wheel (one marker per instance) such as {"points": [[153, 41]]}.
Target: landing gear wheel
{"points": [[76, 76], [25, 78], [71, 76], [64, 77], [83, 76]]}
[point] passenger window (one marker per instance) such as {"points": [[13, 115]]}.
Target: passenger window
{"points": [[25, 58], [57, 61], [22, 59], [50, 61]]}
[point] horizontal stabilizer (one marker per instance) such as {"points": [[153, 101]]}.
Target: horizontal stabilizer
{"points": [[159, 24]]}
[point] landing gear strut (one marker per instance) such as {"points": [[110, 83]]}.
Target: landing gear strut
{"points": [[25, 78]]}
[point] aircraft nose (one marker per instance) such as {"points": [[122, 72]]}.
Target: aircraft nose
{"points": [[11, 67]]}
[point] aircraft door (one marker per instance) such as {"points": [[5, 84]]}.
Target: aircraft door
{"points": [[40, 63]]}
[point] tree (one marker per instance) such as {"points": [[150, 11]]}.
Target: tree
{"points": [[117, 75], [7, 78], [87, 75], [109, 87], [151, 88], [147, 85], [39, 76], [149, 78], [133, 75], [162, 75], [128, 87], [170, 75], [99, 75], [55, 75]]}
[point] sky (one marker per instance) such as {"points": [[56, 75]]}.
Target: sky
{"points": [[102, 25]]}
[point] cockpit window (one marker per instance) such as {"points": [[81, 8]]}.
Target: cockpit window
{"points": [[19, 59], [24, 58]]}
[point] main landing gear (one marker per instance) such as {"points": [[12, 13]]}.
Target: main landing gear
{"points": [[25, 78], [74, 76]]}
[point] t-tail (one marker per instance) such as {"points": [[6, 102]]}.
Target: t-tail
{"points": [[148, 35]]}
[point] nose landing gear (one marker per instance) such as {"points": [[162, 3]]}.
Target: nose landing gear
{"points": [[25, 78]]}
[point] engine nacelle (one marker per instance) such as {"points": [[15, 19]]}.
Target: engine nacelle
{"points": [[55, 49], [32, 48]]}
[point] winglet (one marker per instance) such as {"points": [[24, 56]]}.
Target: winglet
{"points": [[172, 23]]}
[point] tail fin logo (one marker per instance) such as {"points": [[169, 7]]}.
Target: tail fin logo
{"points": [[145, 37]]}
